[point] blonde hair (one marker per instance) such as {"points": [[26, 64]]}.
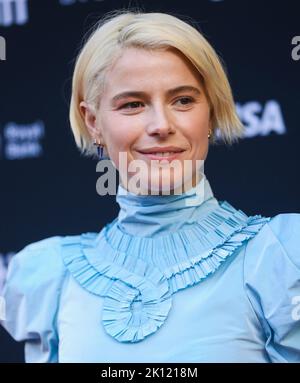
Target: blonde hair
{"points": [[121, 29]]}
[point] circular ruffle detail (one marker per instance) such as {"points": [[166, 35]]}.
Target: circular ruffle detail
{"points": [[126, 321]]}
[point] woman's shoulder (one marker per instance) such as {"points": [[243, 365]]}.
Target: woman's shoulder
{"points": [[42, 262], [279, 235], [33, 272], [35, 261], [44, 254], [286, 228], [47, 252], [279, 238]]}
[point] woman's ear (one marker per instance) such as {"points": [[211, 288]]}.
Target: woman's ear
{"points": [[211, 120], [89, 117]]}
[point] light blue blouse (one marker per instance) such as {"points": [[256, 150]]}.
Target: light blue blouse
{"points": [[173, 278]]}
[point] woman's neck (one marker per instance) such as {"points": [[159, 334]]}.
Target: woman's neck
{"points": [[148, 215]]}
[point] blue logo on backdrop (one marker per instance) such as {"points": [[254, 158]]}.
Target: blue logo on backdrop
{"points": [[22, 141], [13, 12]]}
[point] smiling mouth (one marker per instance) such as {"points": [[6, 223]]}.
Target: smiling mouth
{"points": [[169, 156]]}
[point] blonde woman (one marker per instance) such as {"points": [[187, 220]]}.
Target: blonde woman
{"points": [[176, 276]]}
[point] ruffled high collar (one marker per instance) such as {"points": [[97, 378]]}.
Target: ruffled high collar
{"points": [[156, 246], [150, 215]]}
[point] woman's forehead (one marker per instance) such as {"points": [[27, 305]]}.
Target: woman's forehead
{"points": [[140, 67]]}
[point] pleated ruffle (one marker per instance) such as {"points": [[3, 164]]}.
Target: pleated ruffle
{"points": [[137, 276]]}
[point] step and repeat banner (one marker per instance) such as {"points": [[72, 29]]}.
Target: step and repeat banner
{"points": [[47, 188]]}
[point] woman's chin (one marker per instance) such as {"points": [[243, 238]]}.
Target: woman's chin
{"points": [[158, 182], [164, 185]]}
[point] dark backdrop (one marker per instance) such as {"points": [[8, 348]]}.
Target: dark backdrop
{"points": [[48, 189]]}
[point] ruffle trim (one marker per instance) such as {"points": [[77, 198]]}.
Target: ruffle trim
{"points": [[138, 276]]}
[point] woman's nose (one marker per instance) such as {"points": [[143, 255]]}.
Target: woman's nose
{"points": [[159, 122]]}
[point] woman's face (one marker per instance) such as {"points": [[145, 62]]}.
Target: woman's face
{"points": [[153, 99]]}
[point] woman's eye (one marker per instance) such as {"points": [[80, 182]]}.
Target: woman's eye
{"points": [[128, 104], [135, 104], [186, 100]]}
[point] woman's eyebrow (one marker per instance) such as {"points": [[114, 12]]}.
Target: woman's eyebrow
{"points": [[170, 92]]}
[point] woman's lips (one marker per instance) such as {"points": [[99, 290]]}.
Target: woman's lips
{"points": [[156, 156]]}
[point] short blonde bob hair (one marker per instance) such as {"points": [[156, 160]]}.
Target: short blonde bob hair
{"points": [[121, 29]]}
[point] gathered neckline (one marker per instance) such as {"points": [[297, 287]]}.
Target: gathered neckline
{"points": [[137, 275], [152, 216]]}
